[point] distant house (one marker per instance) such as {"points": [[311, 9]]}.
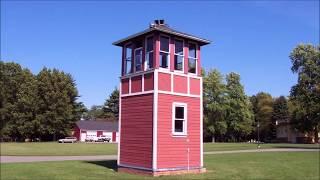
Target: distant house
{"points": [[286, 133], [91, 128]]}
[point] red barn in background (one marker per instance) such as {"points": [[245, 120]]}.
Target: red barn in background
{"points": [[160, 119]]}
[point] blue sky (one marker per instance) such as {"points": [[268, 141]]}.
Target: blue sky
{"points": [[252, 38]]}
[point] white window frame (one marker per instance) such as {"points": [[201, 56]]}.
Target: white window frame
{"points": [[183, 53], [147, 53], [185, 120], [196, 58], [125, 59], [168, 68], [134, 54]]}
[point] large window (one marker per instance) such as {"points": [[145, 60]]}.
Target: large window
{"points": [[179, 124], [138, 59], [164, 52], [149, 53], [128, 60], [192, 59], [178, 55]]}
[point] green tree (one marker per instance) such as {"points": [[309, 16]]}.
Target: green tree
{"points": [[57, 103], [305, 94], [214, 104], [111, 105], [263, 109], [239, 112], [280, 113], [95, 113]]}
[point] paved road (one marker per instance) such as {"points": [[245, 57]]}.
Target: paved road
{"points": [[16, 159]]}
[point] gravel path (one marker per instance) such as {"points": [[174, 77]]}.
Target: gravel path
{"points": [[18, 159]]}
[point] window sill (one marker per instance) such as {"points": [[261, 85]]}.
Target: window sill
{"points": [[178, 135], [179, 71]]}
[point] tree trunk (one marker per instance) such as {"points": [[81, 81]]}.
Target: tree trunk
{"points": [[316, 135], [213, 139]]}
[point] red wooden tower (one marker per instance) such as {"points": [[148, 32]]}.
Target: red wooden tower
{"points": [[160, 119]]}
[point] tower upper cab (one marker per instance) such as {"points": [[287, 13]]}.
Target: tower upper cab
{"points": [[160, 105], [161, 47]]}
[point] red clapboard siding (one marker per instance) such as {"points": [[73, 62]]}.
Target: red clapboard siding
{"points": [[164, 81], [136, 130], [172, 151], [136, 84], [180, 84], [148, 82], [195, 86], [125, 86]]}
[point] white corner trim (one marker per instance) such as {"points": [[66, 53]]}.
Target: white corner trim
{"points": [[155, 122], [129, 85], [201, 123], [162, 70], [142, 83], [119, 126], [137, 93], [179, 94], [188, 85]]}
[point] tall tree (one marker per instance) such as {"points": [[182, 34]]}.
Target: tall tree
{"points": [[305, 94], [263, 108], [111, 105], [57, 104], [239, 112], [280, 113], [214, 104]]}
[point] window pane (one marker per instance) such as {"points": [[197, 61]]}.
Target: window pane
{"points": [[164, 44], [138, 59], [192, 65], [163, 60], [128, 66], [128, 52], [192, 50], [149, 44], [178, 62], [178, 47], [150, 60], [179, 112], [178, 126]]}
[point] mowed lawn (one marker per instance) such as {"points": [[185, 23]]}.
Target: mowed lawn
{"points": [[266, 165], [77, 149], [57, 149]]}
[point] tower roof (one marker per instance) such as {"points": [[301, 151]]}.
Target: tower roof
{"points": [[160, 26]]}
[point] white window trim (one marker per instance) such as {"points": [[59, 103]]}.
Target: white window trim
{"points": [[190, 42], [147, 53], [183, 53], [134, 54], [185, 121], [125, 59], [169, 60]]}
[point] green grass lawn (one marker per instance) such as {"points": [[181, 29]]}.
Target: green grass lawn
{"points": [[54, 148], [243, 146], [271, 165]]}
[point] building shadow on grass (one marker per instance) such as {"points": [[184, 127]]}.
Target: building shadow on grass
{"points": [[110, 164]]}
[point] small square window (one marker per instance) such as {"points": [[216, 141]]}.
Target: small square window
{"points": [[179, 119]]}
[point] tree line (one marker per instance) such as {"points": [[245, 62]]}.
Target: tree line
{"points": [[39, 106], [230, 115]]}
